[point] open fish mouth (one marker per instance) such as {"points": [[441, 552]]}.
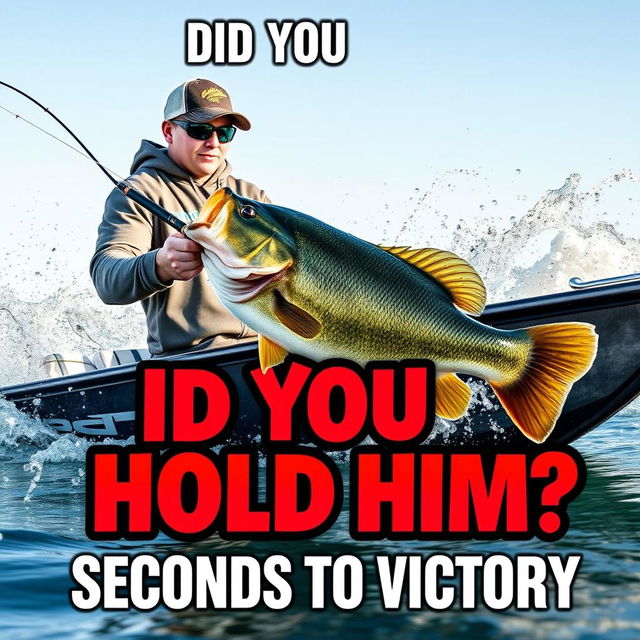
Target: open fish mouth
{"points": [[241, 282], [233, 275], [249, 287]]}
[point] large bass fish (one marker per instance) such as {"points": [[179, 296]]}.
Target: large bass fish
{"points": [[311, 289]]}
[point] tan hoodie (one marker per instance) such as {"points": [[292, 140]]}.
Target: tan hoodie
{"points": [[181, 316]]}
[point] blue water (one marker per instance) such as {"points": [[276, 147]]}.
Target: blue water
{"points": [[42, 527]]}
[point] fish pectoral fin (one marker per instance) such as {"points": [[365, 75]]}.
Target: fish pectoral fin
{"points": [[452, 396], [270, 353], [294, 318], [561, 353], [456, 275]]}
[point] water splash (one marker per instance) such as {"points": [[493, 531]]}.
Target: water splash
{"points": [[523, 252], [65, 449], [20, 433], [550, 244], [70, 319]]}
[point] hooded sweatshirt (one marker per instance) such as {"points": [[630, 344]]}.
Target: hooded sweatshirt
{"points": [[181, 315]]}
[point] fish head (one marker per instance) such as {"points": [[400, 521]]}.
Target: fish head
{"points": [[246, 247]]}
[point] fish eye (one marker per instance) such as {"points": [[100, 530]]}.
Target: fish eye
{"points": [[248, 211]]}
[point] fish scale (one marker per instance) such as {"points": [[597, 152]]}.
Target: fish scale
{"points": [[396, 311]]}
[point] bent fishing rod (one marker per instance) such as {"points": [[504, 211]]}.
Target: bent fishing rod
{"points": [[123, 185]]}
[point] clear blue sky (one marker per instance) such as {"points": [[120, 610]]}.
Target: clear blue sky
{"points": [[429, 88]]}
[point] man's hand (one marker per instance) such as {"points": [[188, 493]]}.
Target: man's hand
{"points": [[178, 259]]}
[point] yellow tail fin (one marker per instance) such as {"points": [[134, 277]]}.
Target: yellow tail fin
{"points": [[562, 353]]}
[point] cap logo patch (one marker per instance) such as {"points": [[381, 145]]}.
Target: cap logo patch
{"points": [[213, 95]]}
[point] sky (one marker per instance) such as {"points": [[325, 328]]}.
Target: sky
{"points": [[505, 100]]}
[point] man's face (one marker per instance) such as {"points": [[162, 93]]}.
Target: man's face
{"points": [[200, 158]]}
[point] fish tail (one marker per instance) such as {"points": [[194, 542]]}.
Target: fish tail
{"points": [[561, 354]]}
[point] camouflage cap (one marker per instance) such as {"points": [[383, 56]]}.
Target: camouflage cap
{"points": [[201, 100]]}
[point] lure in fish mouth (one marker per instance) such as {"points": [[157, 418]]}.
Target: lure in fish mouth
{"points": [[311, 289]]}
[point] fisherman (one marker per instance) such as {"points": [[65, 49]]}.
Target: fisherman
{"points": [[139, 258]]}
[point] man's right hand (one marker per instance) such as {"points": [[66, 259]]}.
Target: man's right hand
{"points": [[178, 259]]}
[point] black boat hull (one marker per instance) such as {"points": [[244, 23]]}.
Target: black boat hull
{"points": [[101, 404]]}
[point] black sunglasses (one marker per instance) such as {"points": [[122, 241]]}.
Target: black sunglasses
{"points": [[204, 130]]}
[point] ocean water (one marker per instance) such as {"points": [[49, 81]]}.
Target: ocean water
{"points": [[42, 475], [42, 526]]}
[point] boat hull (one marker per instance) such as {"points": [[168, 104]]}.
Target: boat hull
{"points": [[101, 404]]}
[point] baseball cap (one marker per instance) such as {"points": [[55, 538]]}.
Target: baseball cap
{"points": [[200, 100]]}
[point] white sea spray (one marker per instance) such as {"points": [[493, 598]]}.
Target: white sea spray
{"points": [[65, 449], [19, 431], [70, 319]]}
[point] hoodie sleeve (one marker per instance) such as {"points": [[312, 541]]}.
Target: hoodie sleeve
{"points": [[123, 267]]}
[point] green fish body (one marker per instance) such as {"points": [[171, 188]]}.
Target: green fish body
{"points": [[310, 289]]}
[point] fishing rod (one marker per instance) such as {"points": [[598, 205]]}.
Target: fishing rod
{"points": [[123, 185]]}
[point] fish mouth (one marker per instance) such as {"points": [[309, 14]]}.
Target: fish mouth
{"points": [[231, 274], [249, 287], [241, 283]]}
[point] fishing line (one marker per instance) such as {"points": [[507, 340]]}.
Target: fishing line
{"points": [[123, 185], [51, 135]]}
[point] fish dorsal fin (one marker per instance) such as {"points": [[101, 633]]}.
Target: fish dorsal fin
{"points": [[452, 396], [270, 353], [294, 318], [456, 275]]}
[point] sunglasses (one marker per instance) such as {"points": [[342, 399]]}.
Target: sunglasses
{"points": [[204, 130]]}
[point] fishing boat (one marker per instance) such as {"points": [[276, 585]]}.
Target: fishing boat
{"points": [[101, 403]]}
